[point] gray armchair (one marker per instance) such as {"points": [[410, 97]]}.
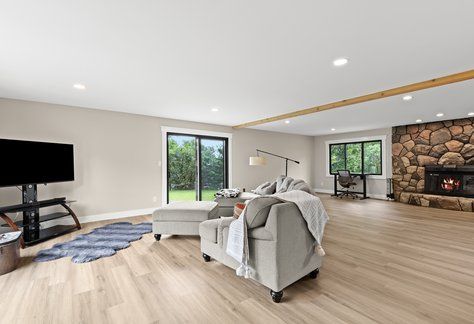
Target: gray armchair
{"points": [[281, 250]]}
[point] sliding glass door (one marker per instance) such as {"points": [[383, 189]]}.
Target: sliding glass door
{"points": [[197, 166], [212, 166], [182, 172]]}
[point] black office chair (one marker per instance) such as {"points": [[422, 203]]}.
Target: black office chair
{"points": [[346, 181]]}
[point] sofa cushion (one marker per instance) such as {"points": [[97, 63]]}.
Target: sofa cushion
{"points": [[263, 185], [266, 190], [283, 183], [187, 211], [258, 209], [300, 185]]}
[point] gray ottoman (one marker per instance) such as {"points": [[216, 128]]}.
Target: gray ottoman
{"points": [[183, 218]]}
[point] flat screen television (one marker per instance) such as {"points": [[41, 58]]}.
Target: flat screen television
{"points": [[27, 162]]}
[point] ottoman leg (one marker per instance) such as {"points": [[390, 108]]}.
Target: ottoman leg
{"points": [[157, 237], [206, 257]]}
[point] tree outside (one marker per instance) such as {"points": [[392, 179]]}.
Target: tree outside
{"points": [[348, 156], [182, 156]]}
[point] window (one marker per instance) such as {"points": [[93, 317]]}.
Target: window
{"points": [[372, 157], [358, 157], [197, 166]]}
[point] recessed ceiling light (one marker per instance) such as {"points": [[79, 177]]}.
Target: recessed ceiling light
{"points": [[407, 98], [287, 121], [419, 120], [333, 129], [471, 114], [79, 86], [340, 61], [439, 115], [215, 109]]}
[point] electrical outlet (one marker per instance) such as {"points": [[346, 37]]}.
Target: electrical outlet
{"points": [[155, 199], [322, 183]]}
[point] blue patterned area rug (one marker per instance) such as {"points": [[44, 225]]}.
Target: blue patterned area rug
{"points": [[101, 242]]}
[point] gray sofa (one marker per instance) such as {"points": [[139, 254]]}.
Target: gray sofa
{"points": [[281, 184], [280, 245]]}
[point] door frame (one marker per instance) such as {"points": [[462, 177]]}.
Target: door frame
{"points": [[188, 131]]}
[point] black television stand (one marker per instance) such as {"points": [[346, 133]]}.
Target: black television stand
{"points": [[32, 232]]}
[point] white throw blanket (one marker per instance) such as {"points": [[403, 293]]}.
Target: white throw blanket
{"points": [[238, 245], [310, 207]]}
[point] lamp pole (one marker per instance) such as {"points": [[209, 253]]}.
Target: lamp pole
{"points": [[281, 157]]}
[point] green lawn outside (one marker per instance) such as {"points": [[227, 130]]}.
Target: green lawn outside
{"points": [[190, 195]]}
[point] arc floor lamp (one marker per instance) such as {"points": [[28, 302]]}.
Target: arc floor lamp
{"points": [[260, 160]]}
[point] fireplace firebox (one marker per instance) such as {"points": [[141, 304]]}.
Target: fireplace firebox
{"points": [[450, 180]]}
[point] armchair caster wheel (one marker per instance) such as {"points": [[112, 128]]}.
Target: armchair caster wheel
{"points": [[206, 257], [157, 237], [276, 295], [314, 274]]}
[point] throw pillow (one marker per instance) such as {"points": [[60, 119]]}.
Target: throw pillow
{"points": [[304, 187], [260, 187], [238, 209], [283, 183], [258, 209], [270, 190], [266, 190], [300, 185]]}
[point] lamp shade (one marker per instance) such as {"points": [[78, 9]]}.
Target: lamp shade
{"points": [[257, 160]]}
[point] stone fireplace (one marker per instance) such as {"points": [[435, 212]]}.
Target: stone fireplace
{"points": [[433, 164]]}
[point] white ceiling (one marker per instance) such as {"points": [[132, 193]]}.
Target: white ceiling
{"points": [[252, 59]]}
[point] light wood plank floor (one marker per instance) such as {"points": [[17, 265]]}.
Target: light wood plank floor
{"points": [[386, 263]]}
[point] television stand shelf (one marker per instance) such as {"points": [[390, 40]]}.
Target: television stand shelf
{"points": [[43, 218], [32, 233]]}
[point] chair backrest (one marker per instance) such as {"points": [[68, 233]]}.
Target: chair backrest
{"points": [[344, 177]]}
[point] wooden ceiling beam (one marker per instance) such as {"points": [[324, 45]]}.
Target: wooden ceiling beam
{"points": [[453, 78]]}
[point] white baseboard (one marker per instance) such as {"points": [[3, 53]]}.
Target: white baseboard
{"points": [[105, 216], [116, 215], [330, 191], [321, 190]]}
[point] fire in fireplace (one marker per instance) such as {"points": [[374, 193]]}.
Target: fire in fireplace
{"points": [[449, 180], [450, 184]]}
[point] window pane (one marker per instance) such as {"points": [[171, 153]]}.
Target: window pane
{"points": [[354, 157], [373, 158], [337, 158], [181, 167], [212, 167]]}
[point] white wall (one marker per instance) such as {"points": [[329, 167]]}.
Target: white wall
{"points": [[324, 183], [118, 155]]}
